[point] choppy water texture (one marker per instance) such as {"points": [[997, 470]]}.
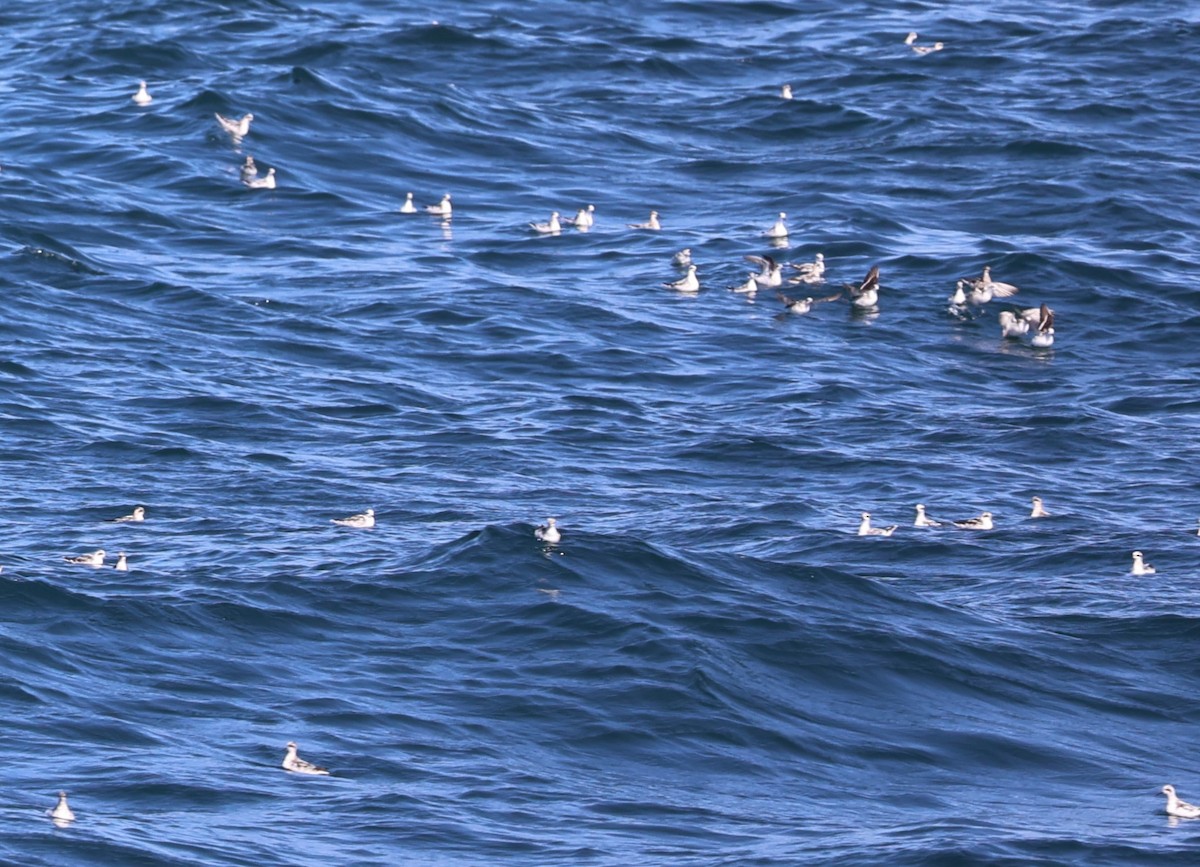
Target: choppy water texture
{"points": [[711, 668]]}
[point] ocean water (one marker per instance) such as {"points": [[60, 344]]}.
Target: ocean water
{"points": [[711, 667]]}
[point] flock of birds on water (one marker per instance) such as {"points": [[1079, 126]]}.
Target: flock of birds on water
{"points": [[970, 295]]}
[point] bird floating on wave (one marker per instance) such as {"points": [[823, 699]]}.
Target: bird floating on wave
{"points": [[652, 223], [584, 218], [785, 92], [810, 272], [548, 532], [689, 283], [135, 517], [62, 812], [122, 563], [983, 522], [95, 559], [800, 306], [865, 528], [408, 207], [865, 295], [266, 182], [1140, 566], [770, 272], [984, 288], [911, 41], [142, 97], [923, 520], [779, 229], [441, 209], [550, 227], [292, 762], [249, 169], [1178, 808], [1045, 329], [236, 128], [363, 519], [1038, 510], [683, 258]]}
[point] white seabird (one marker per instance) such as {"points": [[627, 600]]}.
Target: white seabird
{"points": [[236, 128], [142, 97], [785, 92], [249, 170], [770, 272], [865, 294], [689, 283], [267, 182], [651, 223], [363, 519], [779, 230], [1038, 510], [911, 39], [548, 532], [1045, 329], [983, 522], [1176, 807], [865, 528], [292, 762], [95, 559], [122, 563], [683, 258], [441, 209], [810, 272], [800, 306], [984, 288], [62, 810], [550, 227], [408, 207], [1011, 325], [1140, 566], [584, 218], [137, 516], [750, 287], [959, 298], [923, 520]]}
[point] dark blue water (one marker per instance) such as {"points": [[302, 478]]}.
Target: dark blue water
{"points": [[711, 668]]}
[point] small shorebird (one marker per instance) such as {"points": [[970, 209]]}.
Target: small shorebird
{"points": [[866, 294], [62, 810], [810, 272], [548, 532], [865, 528], [983, 522], [95, 560], [785, 92], [689, 283], [142, 97], [924, 520], [408, 207], [1140, 566], [292, 762], [651, 223], [267, 182], [1038, 510], [136, 517], [801, 306], [363, 519], [779, 230], [1045, 330], [441, 209], [550, 227], [1176, 807], [236, 128]]}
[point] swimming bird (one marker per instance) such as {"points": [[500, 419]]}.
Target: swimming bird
{"points": [[548, 532], [683, 258], [810, 272], [249, 169], [408, 207], [651, 223], [959, 298], [236, 128], [551, 227], [1140, 566], [984, 288], [865, 528], [983, 522], [779, 230], [800, 306], [1176, 807], [137, 516], [292, 762], [122, 563], [924, 520], [1038, 511], [584, 218], [363, 519], [267, 182], [865, 294], [441, 209], [1198, 532], [690, 283], [1011, 325], [142, 97], [910, 41], [62, 810], [95, 559], [785, 92], [1045, 329], [770, 272], [750, 287]]}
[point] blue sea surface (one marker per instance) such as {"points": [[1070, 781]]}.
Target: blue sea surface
{"points": [[711, 667]]}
